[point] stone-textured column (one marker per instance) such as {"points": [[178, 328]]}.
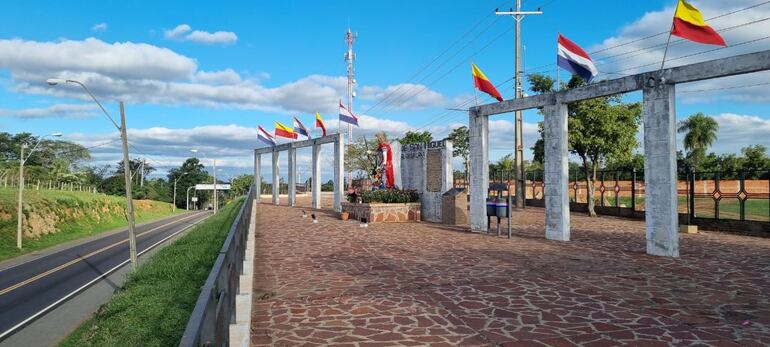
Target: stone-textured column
{"points": [[292, 176], [276, 178], [557, 216], [257, 175], [316, 172], [660, 170], [447, 170], [479, 157], [339, 171]]}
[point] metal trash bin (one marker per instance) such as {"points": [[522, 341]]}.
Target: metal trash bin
{"points": [[491, 207], [501, 207]]}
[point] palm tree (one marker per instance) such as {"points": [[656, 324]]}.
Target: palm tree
{"points": [[700, 133]]}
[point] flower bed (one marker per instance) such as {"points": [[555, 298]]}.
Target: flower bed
{"points": [[384, 213]]}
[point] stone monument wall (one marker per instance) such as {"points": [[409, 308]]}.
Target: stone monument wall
{"points": [[427, 168]]}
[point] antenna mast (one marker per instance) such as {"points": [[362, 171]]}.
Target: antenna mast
{"points": [[349, 58]]}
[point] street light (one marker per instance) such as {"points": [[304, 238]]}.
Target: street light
{"points": [[126, 163], [175, 181], [22, 161], [188, 197], [214, 161]]}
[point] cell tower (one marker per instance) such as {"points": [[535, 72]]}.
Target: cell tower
{"points": [[349, 58]]}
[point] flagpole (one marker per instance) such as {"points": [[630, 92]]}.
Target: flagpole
{"points": [[665, 51]]}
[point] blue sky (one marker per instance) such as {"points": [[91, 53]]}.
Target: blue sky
{"points": [[230, 66]]}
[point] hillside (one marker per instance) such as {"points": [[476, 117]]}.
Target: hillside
{"points": [[52, 217]]}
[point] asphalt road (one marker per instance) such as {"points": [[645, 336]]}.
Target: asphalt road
{"points": [[30, 287]]}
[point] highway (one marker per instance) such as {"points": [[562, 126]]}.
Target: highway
{"points": [[30, 289]]}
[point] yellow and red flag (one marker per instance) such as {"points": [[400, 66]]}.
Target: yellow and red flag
{"points": [[481, 82], [319, 123], [284, 131], [689, 24]]}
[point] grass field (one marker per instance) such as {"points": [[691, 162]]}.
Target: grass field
{"points": [[155, 303], [756, 209], [53, 217]]}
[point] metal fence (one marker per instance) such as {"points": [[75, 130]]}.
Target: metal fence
{"points": [[718, 196], [215, 308]]}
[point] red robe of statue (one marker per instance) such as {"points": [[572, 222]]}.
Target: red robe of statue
{"points": [[387, 163]]}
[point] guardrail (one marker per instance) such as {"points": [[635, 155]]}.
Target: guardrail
{"points": [[215, 308]]}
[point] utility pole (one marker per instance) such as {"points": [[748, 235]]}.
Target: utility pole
{"points": [[141, 172], [21, 197], [518, 170], [349, 58], [129, 199]]}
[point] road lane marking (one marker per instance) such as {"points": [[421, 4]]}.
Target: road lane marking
{"points": [[37, 315], [81, 258]]}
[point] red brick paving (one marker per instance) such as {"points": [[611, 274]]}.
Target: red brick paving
{"points": [[334, 283]]}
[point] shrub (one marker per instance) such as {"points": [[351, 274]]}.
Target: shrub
{"points": [[390, 196]]}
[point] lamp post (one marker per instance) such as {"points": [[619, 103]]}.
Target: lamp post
{"points": [[175, 181], [126, 163], [214, 161], [188, 197], [22, 161]]}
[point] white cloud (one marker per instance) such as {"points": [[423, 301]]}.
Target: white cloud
{"points": [[184, 32], [143, 73], [53, 111], [177, 32], [646, 54], [99, 28], [405, 96], [738, 131]]}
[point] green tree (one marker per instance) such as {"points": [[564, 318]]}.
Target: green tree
{"points": [[190, 173], [599, 129], [241, 184], [416, 137], [755, 161], [700, 133], [361, 157], [460, 138]]}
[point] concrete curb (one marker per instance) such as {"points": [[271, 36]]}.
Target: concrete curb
{"points": [[240, 330]]}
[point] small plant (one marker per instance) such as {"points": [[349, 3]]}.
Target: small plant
{"points": [[390, 196]]}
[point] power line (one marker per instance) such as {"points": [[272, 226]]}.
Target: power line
{"points": [[724, 88], [462, 62], [538, 68]]}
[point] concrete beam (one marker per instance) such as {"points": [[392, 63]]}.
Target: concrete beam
{"points": [[316, 172], [557, 217], [292, 176], [478, 127], [258, 175], [276, 179], [731, 66], [300, 144], [660, 177], [339, 171]]}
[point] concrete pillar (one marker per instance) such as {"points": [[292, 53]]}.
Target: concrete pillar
{"points": [[478, 127], [339, 170], [660, 177], [316, 174], [276, 179], [292, 176], [556, 173], [258, 174]]}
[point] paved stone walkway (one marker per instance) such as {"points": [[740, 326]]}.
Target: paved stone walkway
{"points": [[333, 283]]}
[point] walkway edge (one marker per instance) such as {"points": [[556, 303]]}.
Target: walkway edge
{"points": [[240, 329]]}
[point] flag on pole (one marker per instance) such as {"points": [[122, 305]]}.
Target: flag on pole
{"points": [[319, 123], [284, 131], [481, 82], [689, 24], [299, 128], [574, 59], [265, 136], [347, 116]]}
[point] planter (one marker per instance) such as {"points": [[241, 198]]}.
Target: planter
{"points": [[344, 215], [384, 213]]}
